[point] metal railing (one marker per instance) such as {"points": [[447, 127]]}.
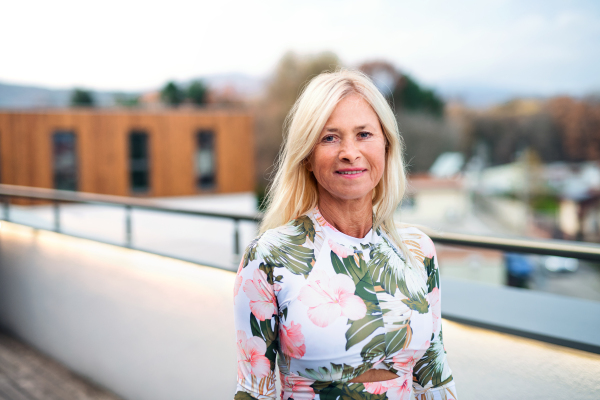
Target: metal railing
{"points": [[561, 248], [128, 203]]}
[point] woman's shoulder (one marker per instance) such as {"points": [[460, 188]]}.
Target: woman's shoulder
{"points": [[285, 245], [296, 230], [415, 237]]}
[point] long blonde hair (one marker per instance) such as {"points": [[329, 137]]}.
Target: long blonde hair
{"points": [[294, 190]]}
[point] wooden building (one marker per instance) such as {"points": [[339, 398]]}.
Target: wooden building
{"points": [[128, 153]]}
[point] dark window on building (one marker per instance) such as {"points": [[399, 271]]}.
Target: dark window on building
{"points": [[64, 154], [139, 165], [206, 177]]}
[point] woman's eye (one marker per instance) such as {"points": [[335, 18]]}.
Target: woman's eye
{"points": [[365, 135], [329, 138]]}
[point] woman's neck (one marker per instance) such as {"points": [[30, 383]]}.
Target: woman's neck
{"points": [[351, 217]]}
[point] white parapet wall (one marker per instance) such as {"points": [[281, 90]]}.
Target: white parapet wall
{"points": [[145, 327]]}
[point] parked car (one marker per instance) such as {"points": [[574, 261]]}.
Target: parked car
{"points": [[561, 264]]}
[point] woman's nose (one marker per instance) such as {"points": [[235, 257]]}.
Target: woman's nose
{"points": [[348, 151]]}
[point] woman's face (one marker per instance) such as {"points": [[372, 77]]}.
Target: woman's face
{"points": [[349, 158]]}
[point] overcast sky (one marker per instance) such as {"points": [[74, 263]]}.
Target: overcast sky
{"points": [[543, 47]]}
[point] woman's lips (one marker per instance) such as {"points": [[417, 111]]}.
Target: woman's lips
{"points": [[351, 173]]}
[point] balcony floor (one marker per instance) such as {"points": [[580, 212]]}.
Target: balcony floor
{"points": [[25, 374]]}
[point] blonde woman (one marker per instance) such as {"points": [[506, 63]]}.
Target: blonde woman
{"points": [[347, 303]]}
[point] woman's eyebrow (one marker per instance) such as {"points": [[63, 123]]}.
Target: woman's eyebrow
{"points": [[356, 128]]}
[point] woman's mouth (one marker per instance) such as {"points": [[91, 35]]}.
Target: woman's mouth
{"points": [[350, 172]]}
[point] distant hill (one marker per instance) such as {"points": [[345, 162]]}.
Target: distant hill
{"points": [[23, 96], [476, 96]]}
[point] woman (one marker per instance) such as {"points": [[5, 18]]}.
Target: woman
{"points": [[348, 304]]}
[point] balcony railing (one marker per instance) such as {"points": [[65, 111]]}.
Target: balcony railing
{"points": [[561, 248]]}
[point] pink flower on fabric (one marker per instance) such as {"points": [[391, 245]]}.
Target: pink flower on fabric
{"points": [[251, 356], [427, 246], [340, 250], [292, 340], [329, 298], [395, 389], [236, 286], [405, 360], [262, 299], [400, 389], [436, 310], [297, 387], [375, 387]]}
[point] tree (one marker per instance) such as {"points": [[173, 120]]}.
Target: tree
{"points": [[81, 98], [126, 100], [403, 92], [409, 95], [196, 92], [171, 94]]}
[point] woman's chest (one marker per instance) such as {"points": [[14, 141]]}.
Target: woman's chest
{"points": [[358, 305]]}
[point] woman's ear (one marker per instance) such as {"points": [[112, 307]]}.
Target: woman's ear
{"points": [[307, 164]]}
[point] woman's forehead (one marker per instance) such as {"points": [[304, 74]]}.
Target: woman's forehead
{"points": [[352, 112]]}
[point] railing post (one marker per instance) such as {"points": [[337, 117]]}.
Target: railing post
{"points": [[56, 216], [6, 214], [128, 240], [236, 237]]}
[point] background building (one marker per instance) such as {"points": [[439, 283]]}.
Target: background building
{"points": [[162, 153]]}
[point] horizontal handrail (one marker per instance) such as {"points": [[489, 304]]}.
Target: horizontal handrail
{"points": [[553, 247], [549, 247], [93, 198]]}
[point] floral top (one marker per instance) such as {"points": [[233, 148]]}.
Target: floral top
{"points": [[330, 306]]}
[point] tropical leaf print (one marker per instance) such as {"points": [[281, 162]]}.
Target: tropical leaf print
{"points": [[336, 372], [268, 270], [399, 339], [306, 225], [433, 274], [353, 391], [359, 329], [433, 366], [268, 333], [363, 328], [283, 247], [243, 396], [388, 268], [374, 350]]}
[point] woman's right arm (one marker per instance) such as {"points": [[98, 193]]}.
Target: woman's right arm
{"points": [[256, 324]]}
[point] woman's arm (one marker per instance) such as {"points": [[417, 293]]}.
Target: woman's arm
{"points": [[256, 324], [432, 375]]}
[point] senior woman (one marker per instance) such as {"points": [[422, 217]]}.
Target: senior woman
{"points": [[345, 302]]}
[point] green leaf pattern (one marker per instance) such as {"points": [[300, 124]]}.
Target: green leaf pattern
{"points": [[393, 291]]}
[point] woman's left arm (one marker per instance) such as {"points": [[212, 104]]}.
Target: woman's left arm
{"points": [[432, 377]]}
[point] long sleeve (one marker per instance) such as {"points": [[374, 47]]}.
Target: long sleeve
{"points": [[256, 324], [432, 377]]}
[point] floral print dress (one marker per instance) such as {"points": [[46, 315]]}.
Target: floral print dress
{"points": [[327, 307]]}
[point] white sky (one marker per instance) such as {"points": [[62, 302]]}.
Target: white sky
{"points": [[537, 46]]}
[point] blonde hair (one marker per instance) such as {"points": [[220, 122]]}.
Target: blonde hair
{"points": [[294, 190]]}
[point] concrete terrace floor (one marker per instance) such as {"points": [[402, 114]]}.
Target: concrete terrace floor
{"points": [[161, 296]]}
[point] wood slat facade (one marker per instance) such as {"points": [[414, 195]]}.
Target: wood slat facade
{"points": [[102, 149]]}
